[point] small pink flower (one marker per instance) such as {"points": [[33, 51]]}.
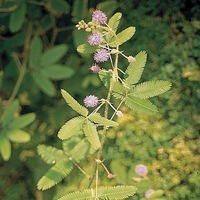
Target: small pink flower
{"points": [[90, 101], [101, 55], [141, 170], [99, 17], [95, 68], [95, 39], [148, 193]]}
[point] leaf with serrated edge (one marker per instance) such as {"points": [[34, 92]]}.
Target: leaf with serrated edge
{"points": [[135, 69], [55, 174], [111, 193], [74, 104], [71, 127], [150, 89], [50, 155], [141, 105], [123, 36], [92, 135], [97, 118]]}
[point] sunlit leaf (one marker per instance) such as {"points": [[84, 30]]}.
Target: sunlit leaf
{"points": [[18, 136], [86, 48], [5, 147]]}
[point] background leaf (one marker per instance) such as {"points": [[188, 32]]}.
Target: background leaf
{"points": [[53, 55], [18, 136], [5, 147]]}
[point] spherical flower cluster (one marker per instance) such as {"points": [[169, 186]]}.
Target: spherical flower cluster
{"points": [[99, 17], [148, 193], [95, 68], [141, 170], [95, 39], [90, 101], [119, 114], [101, 55]]}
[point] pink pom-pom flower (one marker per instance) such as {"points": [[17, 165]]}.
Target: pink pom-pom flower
{"points": [[95, 39], [148, 193], [99, 17], [95, 68], [141, 170], [91, 101], [101, 55]]}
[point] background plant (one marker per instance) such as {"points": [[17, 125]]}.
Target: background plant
{"points": [[168, 34]]}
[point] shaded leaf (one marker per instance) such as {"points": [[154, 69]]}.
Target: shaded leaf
{"points": [[10, 112], [50, 155], [92, 135], [80, 10], [53, 55], [134, 71], [60, 6], [35, 51], [74, 104], [22, 121], [55, 174], [17, 17], [123, 36], [57, 72], [141, 105], [86, 48], [150, 89], [71, 127], [18, 136], [97, 118], [44, 83], [105, 77]]}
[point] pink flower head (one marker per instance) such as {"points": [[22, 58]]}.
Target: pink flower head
{"points": [[95, 68], [141, 170], [95, 39], [101, 55], [99, 17], [148, 193], [90, 101]]}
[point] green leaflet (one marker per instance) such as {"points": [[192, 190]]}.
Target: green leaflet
{"points": [[50, 155], [118, 91], [71, 127], [97, 118], [35, 52], [5, 147], [79, 10], [10, 112], [105, 77], [150, 89], [60, 6], [57, 72], [18, 136], [44, 83], [111, 193], [123, 36], [141, 105], [86, 48], [113, 24], [74, 104], [92, 135], [135, 69], [55, 174], [17, 17], [22, 121], [53, 55]]}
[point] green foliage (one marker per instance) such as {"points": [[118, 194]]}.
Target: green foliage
{"points": [[117, 192], [86, 48], [11, 129]]}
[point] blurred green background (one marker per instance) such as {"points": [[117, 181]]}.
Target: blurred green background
{"points": [[166, 143]]}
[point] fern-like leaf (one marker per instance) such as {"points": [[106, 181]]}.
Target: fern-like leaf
{"points": [[55, 174], [73, 103], [150, 89], [141, 105], [105, 77], [135, 69], [71, 127], [50, 155], [97, 118], [111, 193], [92, 135], [113, 23], [123, 36], [118, 90], [86, 48]]}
